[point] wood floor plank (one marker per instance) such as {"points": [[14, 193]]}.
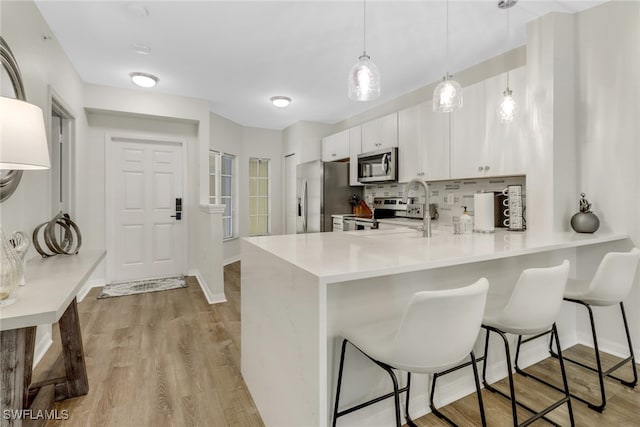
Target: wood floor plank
{"points": [[171, 359]]}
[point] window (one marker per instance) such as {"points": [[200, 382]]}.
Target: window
{"points": [[258, 196], [221, 185]]}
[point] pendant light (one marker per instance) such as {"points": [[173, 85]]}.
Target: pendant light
{"points": [[364, 77], [448, 94], [507, 109]]}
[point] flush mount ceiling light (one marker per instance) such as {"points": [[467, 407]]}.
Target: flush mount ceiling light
{"points": [[507, 109], [364, 77], [144, 79], [448, 94], [280, 101], [141, 48]]}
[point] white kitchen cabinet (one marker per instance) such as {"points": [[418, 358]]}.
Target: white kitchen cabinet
{"points": [[423, 144], [436, 141], [380, 133], [468, 134], [336, 146], [355, 148], [505, 142], [480, 144], [411, 150]]}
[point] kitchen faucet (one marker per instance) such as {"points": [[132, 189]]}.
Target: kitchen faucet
{"points": [[426, 217]]}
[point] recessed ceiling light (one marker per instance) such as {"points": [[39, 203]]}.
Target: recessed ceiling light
{"points": [[280, 101], [138, 10], [141, 48], [144, 79]]}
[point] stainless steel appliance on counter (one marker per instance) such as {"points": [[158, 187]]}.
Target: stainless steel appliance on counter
{"points": [[322, 189], [358, 223], [378, 166], [394, 207]]}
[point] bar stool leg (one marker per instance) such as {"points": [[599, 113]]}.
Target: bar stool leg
{"points": [[410, 422], [396, 393], [478, 389], [335, 408], [631, 357], [476, 378], [564, 375]]}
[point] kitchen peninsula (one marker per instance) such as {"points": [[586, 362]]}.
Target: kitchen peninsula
{"points": [[300, 291]]}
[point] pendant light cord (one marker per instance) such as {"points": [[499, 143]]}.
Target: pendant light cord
{"points": [[364, 26], [446, 58], [507, 45]]}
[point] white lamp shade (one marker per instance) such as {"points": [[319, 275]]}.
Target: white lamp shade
{"points": [[23, 139]]}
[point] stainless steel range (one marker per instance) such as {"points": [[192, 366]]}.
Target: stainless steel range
{"points": [[394, 207]]}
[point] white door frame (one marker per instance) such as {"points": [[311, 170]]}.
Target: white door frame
{"points": [[109, 190]]}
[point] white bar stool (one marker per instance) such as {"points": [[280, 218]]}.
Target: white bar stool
{"points": [[437, 331], [532, 309], [610, 286]]}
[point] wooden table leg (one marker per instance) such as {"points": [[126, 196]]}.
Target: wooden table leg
{"points": [[16, 364], [77, 383]]}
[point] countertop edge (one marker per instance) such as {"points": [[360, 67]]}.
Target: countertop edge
{"points": [[328, 278]]}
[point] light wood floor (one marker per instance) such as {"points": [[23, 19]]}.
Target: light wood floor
{"points": [[171, 359]]}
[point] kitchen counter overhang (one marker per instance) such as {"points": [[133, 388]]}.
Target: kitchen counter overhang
{"points": [[337, 257]]}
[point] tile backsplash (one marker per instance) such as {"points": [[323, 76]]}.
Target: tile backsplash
{"points": [[461, 189]]}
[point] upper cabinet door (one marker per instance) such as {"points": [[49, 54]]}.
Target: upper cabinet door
{"points": [[410, 144], [468, 134], [435, 140], [380, 133], [336, 146], [506, 141], [355, 148]]}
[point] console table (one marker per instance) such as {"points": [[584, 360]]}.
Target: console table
{"points": [[48, 297]]}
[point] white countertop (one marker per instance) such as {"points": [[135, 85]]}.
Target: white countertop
{"points": [[52, 283], [336, 257]]}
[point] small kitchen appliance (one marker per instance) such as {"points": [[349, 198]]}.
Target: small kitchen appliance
{"points": [[378, 166]]}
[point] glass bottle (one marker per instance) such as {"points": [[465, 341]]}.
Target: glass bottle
{"points": [[10, 270]]}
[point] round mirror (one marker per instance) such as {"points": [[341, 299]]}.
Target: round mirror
{"points": [[11, 86]]}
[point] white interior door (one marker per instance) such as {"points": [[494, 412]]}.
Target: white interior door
{"points": [[290, 193], [145, 240]]}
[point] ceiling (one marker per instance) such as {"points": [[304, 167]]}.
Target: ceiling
{"points": [[238, 54]]}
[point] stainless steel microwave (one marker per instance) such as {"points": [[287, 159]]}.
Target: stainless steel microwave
{"points": [[378, 166]]}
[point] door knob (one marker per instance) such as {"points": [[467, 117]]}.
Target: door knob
{"points": [[177, 216]]}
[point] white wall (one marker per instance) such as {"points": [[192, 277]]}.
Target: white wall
{"points": [[244, 143], [44, 67], [608, 135]]}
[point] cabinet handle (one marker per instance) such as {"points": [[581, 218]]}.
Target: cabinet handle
{"points": [[378, 144], [333, 154], [480, 168], [486, 168]]}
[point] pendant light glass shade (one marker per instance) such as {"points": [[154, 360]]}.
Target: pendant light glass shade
{"points": [[364, 80], [447, 96], [364, 77], [507, 108]]}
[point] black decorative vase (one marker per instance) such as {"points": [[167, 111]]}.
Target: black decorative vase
{"points": [[585, 222]]}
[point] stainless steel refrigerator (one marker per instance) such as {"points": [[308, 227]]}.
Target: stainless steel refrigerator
{"points": [[322, 189]]}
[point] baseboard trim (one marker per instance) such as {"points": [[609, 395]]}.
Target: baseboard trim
{"points": [[95, 283], [608, 346], [41, 348], [231, 260], [211, 298]]}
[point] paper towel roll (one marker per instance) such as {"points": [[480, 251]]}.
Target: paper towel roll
{"points": [[483, 221]]}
